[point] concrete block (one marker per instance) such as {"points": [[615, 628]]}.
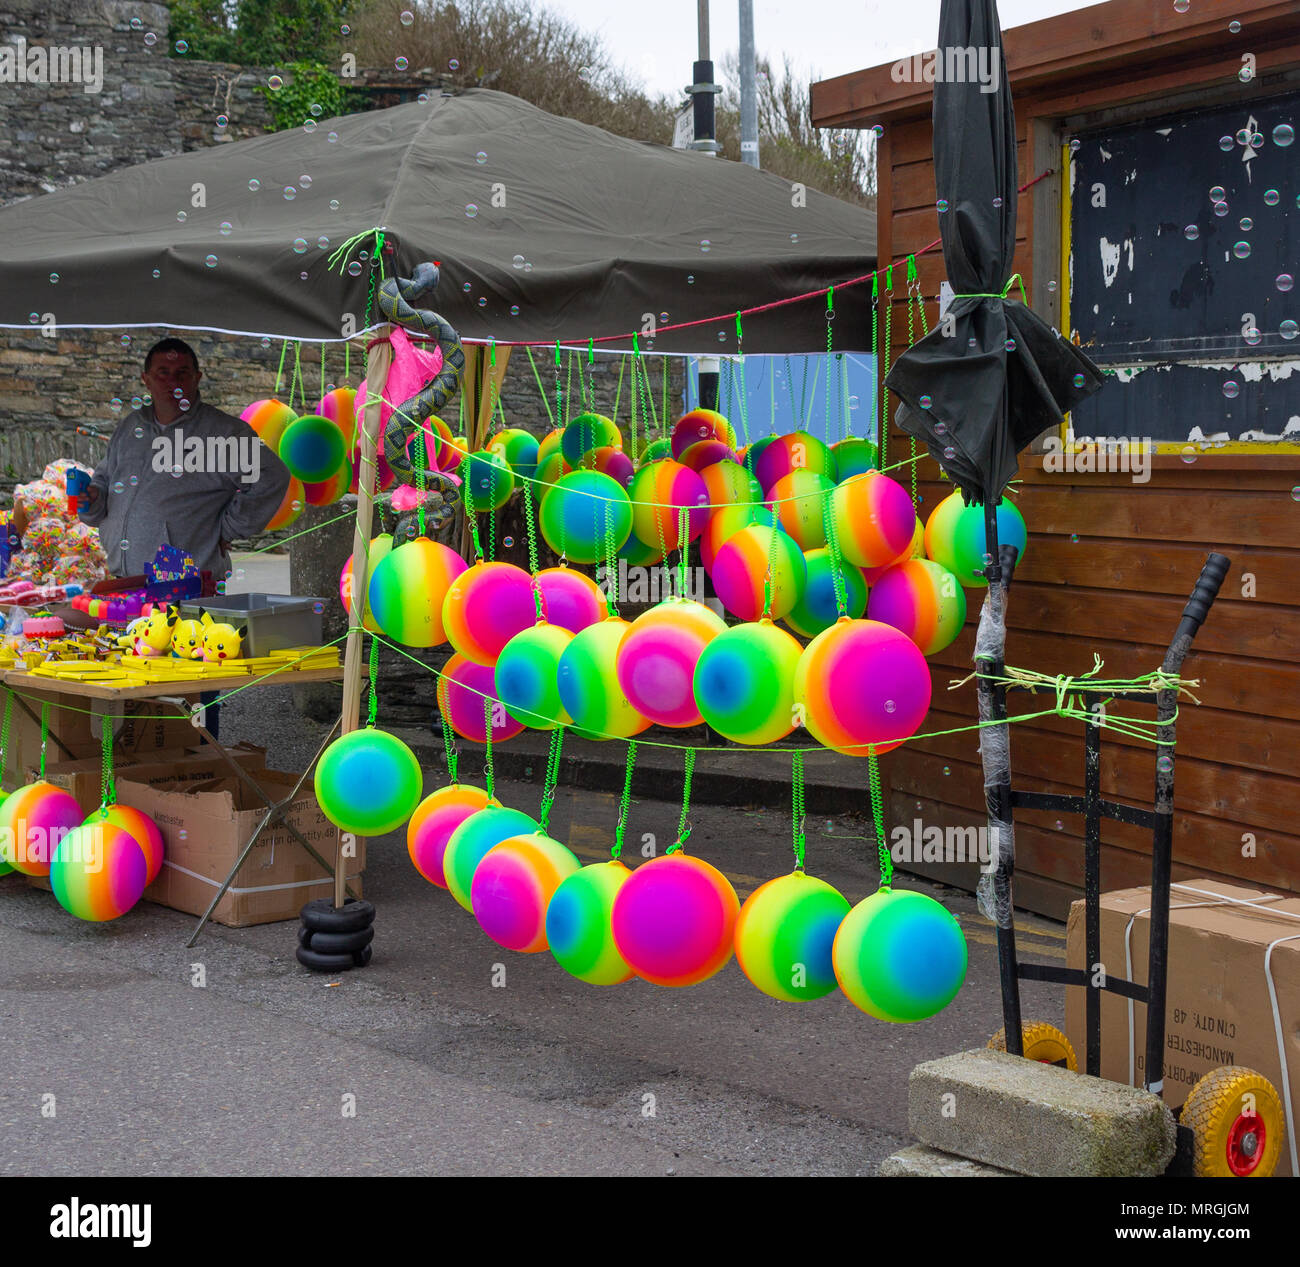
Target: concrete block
{"points": [[1038, 1119], [920, 1162]]}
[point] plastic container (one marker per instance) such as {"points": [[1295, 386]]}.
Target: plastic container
{"points": [[274, 620]]}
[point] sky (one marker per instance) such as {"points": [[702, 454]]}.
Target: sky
{"points": [[656, 42]]}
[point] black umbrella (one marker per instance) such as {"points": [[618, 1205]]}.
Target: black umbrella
{"points": [[993, 375]]}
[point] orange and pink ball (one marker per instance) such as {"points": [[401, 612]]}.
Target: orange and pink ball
{"points": [[700, 425], [797, 451], [874, 519], [514, 884], [269, 418], [144, 830], [485, 606], [409, 587], [741, 566], [432, 823], [659, 493], [33, 820], [573, 600], [467, 698], [657, 658], [801, 501], [98, 872], [923, 600]]}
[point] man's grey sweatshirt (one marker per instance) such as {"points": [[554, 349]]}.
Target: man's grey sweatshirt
{"points": [[202, 479]]}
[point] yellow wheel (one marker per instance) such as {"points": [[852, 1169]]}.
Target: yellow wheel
{"points": [[1042, 1042], [1237, 1124]]}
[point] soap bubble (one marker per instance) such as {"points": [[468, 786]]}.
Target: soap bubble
{"points": [[947, 769], [1246, 224], [471, 210], [354, 269], [116, 406], [940, 428], [663, 318], [518, 261], [334, 204], [1241, 250], [1271, 197], [401, 63], [453, 63], [1252, 336], [1191, 233], [690, 279], [226, 228], [119, 487], [507, 542], [1283, 135], [299, 246], [480, 158], [1234, 26], [467, 287], [182, 216], [407, 17], [275, 83], [304, 182], [1295, 493], [331, 137], [136, 24], [514, 310], [1079, 380], [254, 185], [302, 277], [878, 130], [1246, 74], [1218, 193], [134, 480], [1284, 282], [54, 279], [136, 402], [139, 431], [1164, 763], [210, 261], [1288, 330], [950, 452], [150, 39], [316, 109], [1225, 143], [1010, 345], [1220, 209], [345, 29], [309, 125], [942, 204], [705, 245], [482, 301], [1231, 389], [854, 402], [290, 193], [1189, 454], [157, 272], [125, 340], [1181, 6], [997, 202], [925, 402], [323, 242], [890, 706], [794, 237]]}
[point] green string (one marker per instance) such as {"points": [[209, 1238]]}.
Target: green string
{"points": [[663, 384], [625, 802], [568, 391], [559, 391], [449, 744], [611, 564], [833, 545], [489, 775], [471, 515], [683, 548], [552, 778], [4, 729], [1014, 279], [541, 391], [830, 318], [45, 735], [279, 373], [883, 366], [107, 792], [796, 797], [532, 552], [875, 360], [373, 706], [683, 827], [878, 816], [618, 395]]}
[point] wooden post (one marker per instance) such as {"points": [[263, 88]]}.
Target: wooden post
{"points": [[379, 356]]}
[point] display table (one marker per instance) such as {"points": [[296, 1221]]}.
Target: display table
{"points": [[182, 696]]}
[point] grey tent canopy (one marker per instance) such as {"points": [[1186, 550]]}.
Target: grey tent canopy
{"points": [[546, 229]]}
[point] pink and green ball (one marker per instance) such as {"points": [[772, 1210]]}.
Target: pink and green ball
{"points": [[99, 871], [313, 448], [655, 451], [467, 698], [144, 830], [549, 470], [587, 432], [728, 483], [485, 606], [900, 956], [862, 684], [578, 924], [587, 676], [816, 609], [368, 782], [923, 600], [725, 522], [269, 418], [785, 933], [408, 589], [705, 453], [657, 658], [854, 456], [638, 553], [659, 492], [744, 682], [519, 448], [874, 519], [801, 501], [470, 843], [513, 886], [526, 676], [748, 458], [33, 820], [612, 462], [955, 536], [740, 571], [573, 600], [487, 481], [339, 406], [581, 512], [797, 451], [674, 920], [701, 425], [432, 823]]}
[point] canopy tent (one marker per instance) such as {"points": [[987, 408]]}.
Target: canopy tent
{"points": [[546, 229]]}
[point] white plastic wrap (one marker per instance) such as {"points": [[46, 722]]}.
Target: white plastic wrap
{"points": [[994, 889]]}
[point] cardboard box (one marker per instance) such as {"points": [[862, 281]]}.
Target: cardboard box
{"points": [[207, 822], [1225, 945]]}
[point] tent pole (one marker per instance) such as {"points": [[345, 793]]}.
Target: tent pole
{"points": [[379, 356]]}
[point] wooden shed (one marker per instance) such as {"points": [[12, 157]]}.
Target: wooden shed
{"points": [[1110, 560]]}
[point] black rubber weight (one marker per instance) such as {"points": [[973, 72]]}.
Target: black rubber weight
{"points": [[304, 935], [321, 916], [341, 943], [362, 957], [326, 963]]}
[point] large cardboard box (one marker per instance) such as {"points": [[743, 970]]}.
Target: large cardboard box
{"points": [[205, 825], [1233, 991]]}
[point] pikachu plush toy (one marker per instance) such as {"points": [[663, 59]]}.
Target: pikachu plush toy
{"points": [[152, 635], [187, 640], [220, 641]]}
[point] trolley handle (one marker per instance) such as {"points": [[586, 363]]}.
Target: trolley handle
{"points": [[1206, 591]]}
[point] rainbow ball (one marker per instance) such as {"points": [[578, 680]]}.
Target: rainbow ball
{"points": [[612, 462], [873, 517], [955, 537], [725, 522], [752, 452], [142, 828], [467, 698], [784, 935], [578, 924], [801, 500], [526, 676], [900, 956], [674, 920], [854, 456], [705, 453], [291, 505], [408, 590], [728, 484], [313, 448], [923, 599], [637, 553], [657, 658], [816, 609], [656, 451], [798, 451], [915, 550], [513, 886], [98, 872], [469, 844], [269, 418], [862, 683], [744, 682], [587, 676], [549, 469], [549, 444], [740, 570], [327, 492], [659, 491], [339, 406], [384, 477], [368, 782], [577, 510], [485, 606], [33, 820], [700, 424], [487, 481], [573, 600], [442, 452], [380, 548], [587, 432], [519, 448], [432, 823]]}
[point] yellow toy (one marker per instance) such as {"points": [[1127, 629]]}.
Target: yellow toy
{"points": [[187, 640], [153, 634], [220, 641]]}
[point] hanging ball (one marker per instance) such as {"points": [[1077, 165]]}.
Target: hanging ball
{"points": [[368, 782], [659, 491], [380, 548], [749, 458], [291, 505], [313, 448], [723, 524], [578, 924], [784, 935], [698, 425], [816, 610], [657, 659], [744, 682], [98, 871], [612, 462], [573, 600], [854, 456], [587, 432], [549, 444], [729, 484], [923, 599], [384, 477], [486, 605], [469, 844], [955, 537], [674, 920], [33, 820], [432, 823], [463, 688], [519, 448], [705, 453], [587, 676], [801, 501], [269, 418], [576, 510], [797, 451], [442, 450], [637, 553], [655, 451], [873, 518], [327, 492], [915, 550], [526, 676], [339, 406], [549, 470], [486, 481], [740, 571], [142, 828], [513, 886], [900, 956], [409, 587], [862, 683]]}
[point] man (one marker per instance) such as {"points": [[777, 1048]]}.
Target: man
{"points": [[181, 472]]}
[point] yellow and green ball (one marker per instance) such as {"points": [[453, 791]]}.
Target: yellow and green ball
{"points": [[785, 933]]}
